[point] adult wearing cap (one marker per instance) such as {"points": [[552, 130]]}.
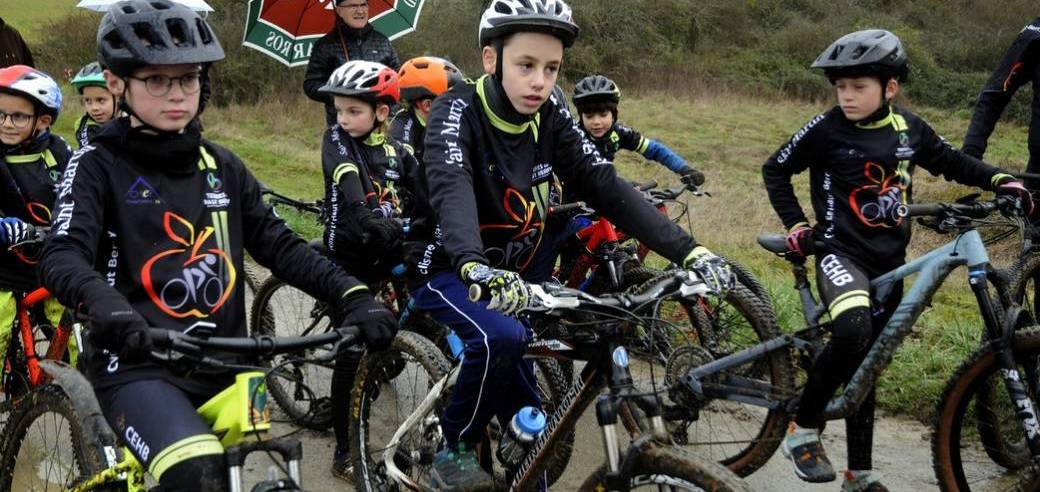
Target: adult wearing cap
{"points": [[351, 38]]}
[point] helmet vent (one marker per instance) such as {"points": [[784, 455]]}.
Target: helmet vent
{"points": [[160, 5], [129, 9], [178, 30], [859, 52], [144, 32], [205, 37], [115, 40]]}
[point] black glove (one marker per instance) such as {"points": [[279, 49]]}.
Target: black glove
{"points": [[377, 324], [379, 232], [691, 176], [114, 324]]}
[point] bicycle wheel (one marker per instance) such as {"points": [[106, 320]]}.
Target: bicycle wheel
{"points": [[740, 436], [959, 455], [388, 388], [301, 389], [251, 284], [44, 446], [671, 468], [748, 279]]}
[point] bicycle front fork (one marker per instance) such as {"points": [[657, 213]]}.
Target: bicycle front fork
{"points": [[1001, 338]]}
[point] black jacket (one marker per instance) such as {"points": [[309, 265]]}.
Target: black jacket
{"points": [[859, 174], [86, 128], [168, 227], [29, 176], [360, 176], [1021, 65], [335, 48], [489, 172], [409, 128]]}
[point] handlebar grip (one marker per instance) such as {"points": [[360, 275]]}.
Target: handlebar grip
{"points": [[649, 185], [476, 293], [921, 210], [566, 207]]}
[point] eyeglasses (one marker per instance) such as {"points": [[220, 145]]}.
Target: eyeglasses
{"points": [[19, 120], [354, 6], [159, 85]]}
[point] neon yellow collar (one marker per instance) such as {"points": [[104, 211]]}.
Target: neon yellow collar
{"points": [[375, 139], [500, 123], [883, 122]]}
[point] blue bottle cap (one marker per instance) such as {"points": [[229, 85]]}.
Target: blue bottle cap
{"points": [[530, 420]]}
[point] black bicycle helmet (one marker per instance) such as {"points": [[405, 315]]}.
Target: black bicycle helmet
{"points": [[505, 17], [136, 33], [596, 89], [873, 52]]}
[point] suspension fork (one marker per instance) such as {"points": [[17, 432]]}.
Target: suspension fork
{"points": [[1001, 339]]}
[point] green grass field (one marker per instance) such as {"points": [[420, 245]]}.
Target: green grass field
{"points": [[30, 17]]}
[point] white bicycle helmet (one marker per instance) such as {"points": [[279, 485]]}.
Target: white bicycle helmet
{"points": [[39, 87], [505, 17], [365, 80]]}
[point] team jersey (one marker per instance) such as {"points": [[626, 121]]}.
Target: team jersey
{"points": [[86, 128], [1020, 65], [489, 172], [409, 128], [860, 174], [619, 137], [166, 222], [28, 179], [362, 176]]}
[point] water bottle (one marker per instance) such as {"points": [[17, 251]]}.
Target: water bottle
{"points": [[522, 431]]}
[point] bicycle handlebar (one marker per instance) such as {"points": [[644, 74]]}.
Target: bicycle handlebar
{"points": [[300, 205], [548, 297], [974, 210], [259, 345]]}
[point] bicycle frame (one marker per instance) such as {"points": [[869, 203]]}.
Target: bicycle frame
{"points": [[965, 249], [607, 367], [58, 343], [601, 240]]}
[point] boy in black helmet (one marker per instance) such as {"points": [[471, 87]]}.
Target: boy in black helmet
{"points": [[860, 155], [151, 226], [596, 98], [493, 147]]}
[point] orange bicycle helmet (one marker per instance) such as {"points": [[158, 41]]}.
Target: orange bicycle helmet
{"points": [[427, 77]]}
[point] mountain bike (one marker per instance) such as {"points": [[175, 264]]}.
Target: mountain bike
{"points": [[57, 437], [648, 461], [701, 378]]}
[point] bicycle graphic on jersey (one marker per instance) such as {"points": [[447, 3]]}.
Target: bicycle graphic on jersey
{"points": [[881, 209]]}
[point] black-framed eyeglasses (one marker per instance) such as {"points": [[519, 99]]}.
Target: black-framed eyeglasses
{"points": [[19, 120], [159, 85], [353, 6]]}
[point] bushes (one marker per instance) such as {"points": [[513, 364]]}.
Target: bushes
{"points": [[754, 45]]}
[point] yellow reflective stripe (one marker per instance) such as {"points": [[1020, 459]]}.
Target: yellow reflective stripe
{"points": [[541, 197], [419, 117], [883, 122], [375, 139], [411, 150], [206, 161], [356, 288], [185, 449], [389, 149], [23, 158], [644, 143], [995, 181], [849, 300], [502, 124], [346, 167]]}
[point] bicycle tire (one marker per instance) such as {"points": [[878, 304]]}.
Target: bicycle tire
{"points": [[747, 278], [375, 373], [1021, 289], [282, 310], [741, 320], [950, 443], [671, 468], [251, 285], [45, 400]]}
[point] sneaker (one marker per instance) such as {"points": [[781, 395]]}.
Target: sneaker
{"points": [[862, 481], [803, 447], [458, 471], [342, 468]]}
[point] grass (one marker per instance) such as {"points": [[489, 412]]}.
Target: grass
{"points": [[728, 136], [30, 17]]}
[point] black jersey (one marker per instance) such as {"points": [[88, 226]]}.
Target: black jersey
{"points": [[490, 172], [28, 180], [167, 225], [619, 137], [859, 176], [86, 128], [409, 129]]}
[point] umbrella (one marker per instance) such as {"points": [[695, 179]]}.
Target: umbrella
{"points": [[102, 5], [287, 29]]}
